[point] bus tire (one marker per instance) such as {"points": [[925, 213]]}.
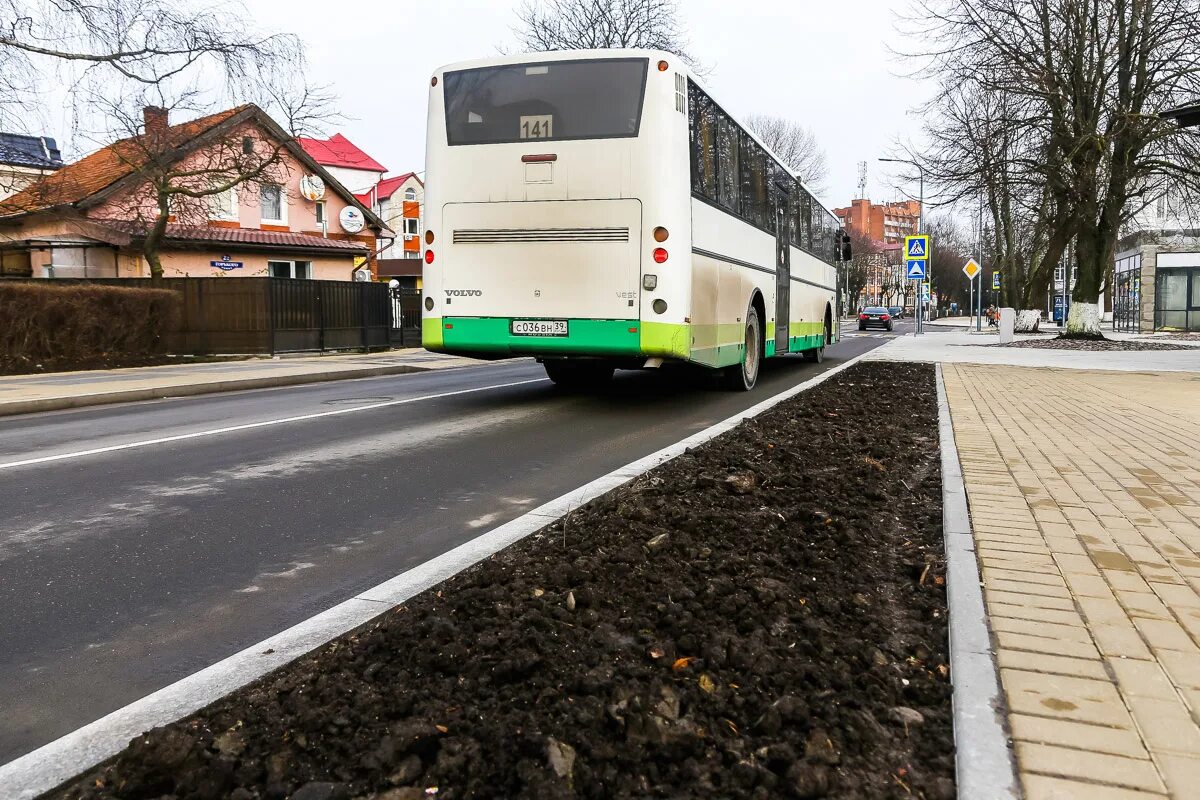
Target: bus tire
{"points": [[576, 375], [815, 355], [742, 377]]}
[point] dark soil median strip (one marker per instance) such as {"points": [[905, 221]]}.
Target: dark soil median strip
{"points": [[49, 765], [761, 617], [985, 763]]}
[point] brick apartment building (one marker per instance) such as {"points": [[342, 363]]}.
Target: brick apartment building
{"points": [[884, 222]]}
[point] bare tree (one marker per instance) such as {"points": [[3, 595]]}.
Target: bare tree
{"points": [[1086, 82], [866, 257], [189, 173], [123, 56], [602, 24], [796, 145], [140, 43]]}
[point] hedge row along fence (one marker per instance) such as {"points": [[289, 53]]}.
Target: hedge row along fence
{"points": [[68, 324]]}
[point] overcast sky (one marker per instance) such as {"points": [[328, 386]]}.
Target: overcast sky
{"points": [[823, 64]]}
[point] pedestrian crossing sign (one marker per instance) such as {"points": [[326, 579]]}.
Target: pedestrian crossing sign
{"points": [[916, 247]]}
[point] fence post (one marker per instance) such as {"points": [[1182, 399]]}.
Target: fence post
{"points": [[317, 298], [270, 290], [362, 314]]}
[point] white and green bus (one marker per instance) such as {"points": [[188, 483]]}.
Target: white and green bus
{"points": [[598, 210]]}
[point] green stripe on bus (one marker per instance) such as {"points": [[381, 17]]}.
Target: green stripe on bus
{"points": [[599, 337], [431, 333], [666, 339]]}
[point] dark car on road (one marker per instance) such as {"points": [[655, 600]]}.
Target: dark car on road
{"points": [[875, 317], [897, 312]]}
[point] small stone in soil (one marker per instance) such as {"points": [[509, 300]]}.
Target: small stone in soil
{"points": [[561, 757], [320, 790], [741, 482], [909, 717]]}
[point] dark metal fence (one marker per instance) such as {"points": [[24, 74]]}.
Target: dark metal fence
{"points": [[285, 315], [406, 317]]}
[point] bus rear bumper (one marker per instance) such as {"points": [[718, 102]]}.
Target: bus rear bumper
{"points": [[618, 338]]}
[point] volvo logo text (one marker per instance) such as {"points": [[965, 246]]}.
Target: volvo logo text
{"points": [[464, 293]]}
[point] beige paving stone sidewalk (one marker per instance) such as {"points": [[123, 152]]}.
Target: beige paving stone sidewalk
{"points": [[1084, 490]]}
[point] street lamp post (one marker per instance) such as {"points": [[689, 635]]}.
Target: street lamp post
{"points": [[919, 298]]}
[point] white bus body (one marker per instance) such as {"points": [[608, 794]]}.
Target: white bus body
{"points": [[546, 189]]}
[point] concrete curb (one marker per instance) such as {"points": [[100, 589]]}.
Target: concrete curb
{"points": [[54, 763], [12, 407], [984, 762]]}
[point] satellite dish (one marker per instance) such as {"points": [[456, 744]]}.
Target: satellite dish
{"points": [[312, 187], [351, 220]]}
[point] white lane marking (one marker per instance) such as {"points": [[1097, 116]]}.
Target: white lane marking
{"points": [[247, 426], [51, 764]]}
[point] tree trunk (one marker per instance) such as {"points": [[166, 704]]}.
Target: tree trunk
{"points": [[1028, 320], [154, 238]]}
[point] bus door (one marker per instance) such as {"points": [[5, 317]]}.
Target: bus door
{"points": [[783, 267]]}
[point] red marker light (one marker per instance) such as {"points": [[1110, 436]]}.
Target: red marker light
{"points": [[660, 255], [428, 256]]}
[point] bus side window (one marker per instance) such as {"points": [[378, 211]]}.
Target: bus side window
{"points": [[804, 203], [727, 162], [704, 143], [755, 199]]}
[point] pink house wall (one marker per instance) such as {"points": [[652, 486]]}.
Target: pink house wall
{"points": [[301, 213]]}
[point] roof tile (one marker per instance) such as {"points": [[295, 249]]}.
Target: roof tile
{"points": [[90, 174], [204, 233], [338, 151]]}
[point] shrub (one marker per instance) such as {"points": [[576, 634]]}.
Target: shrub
{"points": [[79, 324]]}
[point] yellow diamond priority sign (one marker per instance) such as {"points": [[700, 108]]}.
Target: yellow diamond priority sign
{"points": [[971, 269]]}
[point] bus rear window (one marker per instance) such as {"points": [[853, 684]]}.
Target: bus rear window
{"points": [[550, 101]]}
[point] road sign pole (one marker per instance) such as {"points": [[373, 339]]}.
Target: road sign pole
{"points": [[979, 305]]}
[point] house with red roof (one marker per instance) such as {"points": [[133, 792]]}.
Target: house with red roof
{"points": [[343, 159], [93, 218], [399, 202], [396, 200]]}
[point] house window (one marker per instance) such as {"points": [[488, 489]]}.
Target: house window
{"points": [[410, 226], [320, 212], [290, 269], [410, 193], [272, 202], [223, 205], [301, 270]]}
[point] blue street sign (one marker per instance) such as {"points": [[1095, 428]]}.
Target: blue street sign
{"points": [[916, 269], [995, 280], [916, 247]]}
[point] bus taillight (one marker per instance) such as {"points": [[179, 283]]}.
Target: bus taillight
{"points": [[660, 255], [428, 256], [428, 237], [661, 234]]}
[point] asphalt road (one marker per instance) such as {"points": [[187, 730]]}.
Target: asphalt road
{"points": [[124, 570]]}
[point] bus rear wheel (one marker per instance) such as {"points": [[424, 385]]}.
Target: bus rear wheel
{"points": [[742, 377], [578, 374]]}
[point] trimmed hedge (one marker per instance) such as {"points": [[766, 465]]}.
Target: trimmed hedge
{"points": [[76, 325]]}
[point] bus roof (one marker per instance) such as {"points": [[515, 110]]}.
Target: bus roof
{"points": [[653, 55]]}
